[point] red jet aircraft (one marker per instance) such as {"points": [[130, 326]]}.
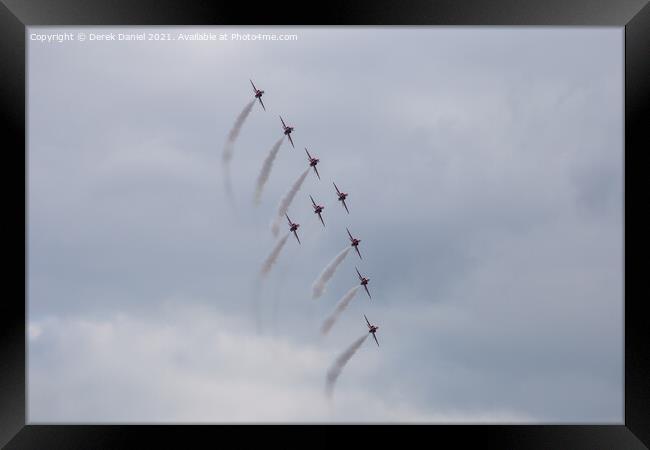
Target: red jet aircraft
{"points": [[318, 209], [293, 227], [342, 197], [287, 131], [258, 94], [364, 282], [313, 162], [354, 243], [372, 329]]}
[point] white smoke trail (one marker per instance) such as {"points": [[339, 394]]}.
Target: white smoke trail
{"points": [[255, 304], [319, 285], [229, 148], [266, 170], [273, 256], [278, 296], [234, 132], [334, 371], [283, 207], [228, 187], [343, 303]]}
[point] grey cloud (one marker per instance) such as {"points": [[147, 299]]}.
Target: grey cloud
{"points": [[484, 168]]}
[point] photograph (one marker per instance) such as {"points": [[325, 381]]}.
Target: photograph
{"points": [[325, 225]]}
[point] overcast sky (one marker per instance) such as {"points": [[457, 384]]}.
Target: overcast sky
{"points": [[484, 167]]}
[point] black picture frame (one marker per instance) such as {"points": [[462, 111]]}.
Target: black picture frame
{"points": [[16, 15]]}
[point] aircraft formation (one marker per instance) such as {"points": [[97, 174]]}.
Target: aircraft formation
{"points": [[318, 209]]}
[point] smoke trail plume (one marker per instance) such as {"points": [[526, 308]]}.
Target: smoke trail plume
{"points": [[334, 371], [278, 296], [273, 256], [343, 303], [228, 187], [266, 170], [255, 304], [283, 207], [234, 132], [319, 285], [229, 148]]}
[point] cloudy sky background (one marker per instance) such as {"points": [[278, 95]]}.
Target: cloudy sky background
{"points": [[484, 167]]}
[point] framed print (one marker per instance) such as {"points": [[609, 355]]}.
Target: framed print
{"points": [[378, 218]]}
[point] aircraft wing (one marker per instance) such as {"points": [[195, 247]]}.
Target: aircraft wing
{"points": [[289, 220], [316, 170], [345, 206], [312, 200], [349, 233], [308, 155], [373, 335], [321, 219], [337, 189], [296, 234], [261, 103], [254, 88], [358, 273], [367, 291], [283, 124], [366, 320], [291, 140], [358, 252]]}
